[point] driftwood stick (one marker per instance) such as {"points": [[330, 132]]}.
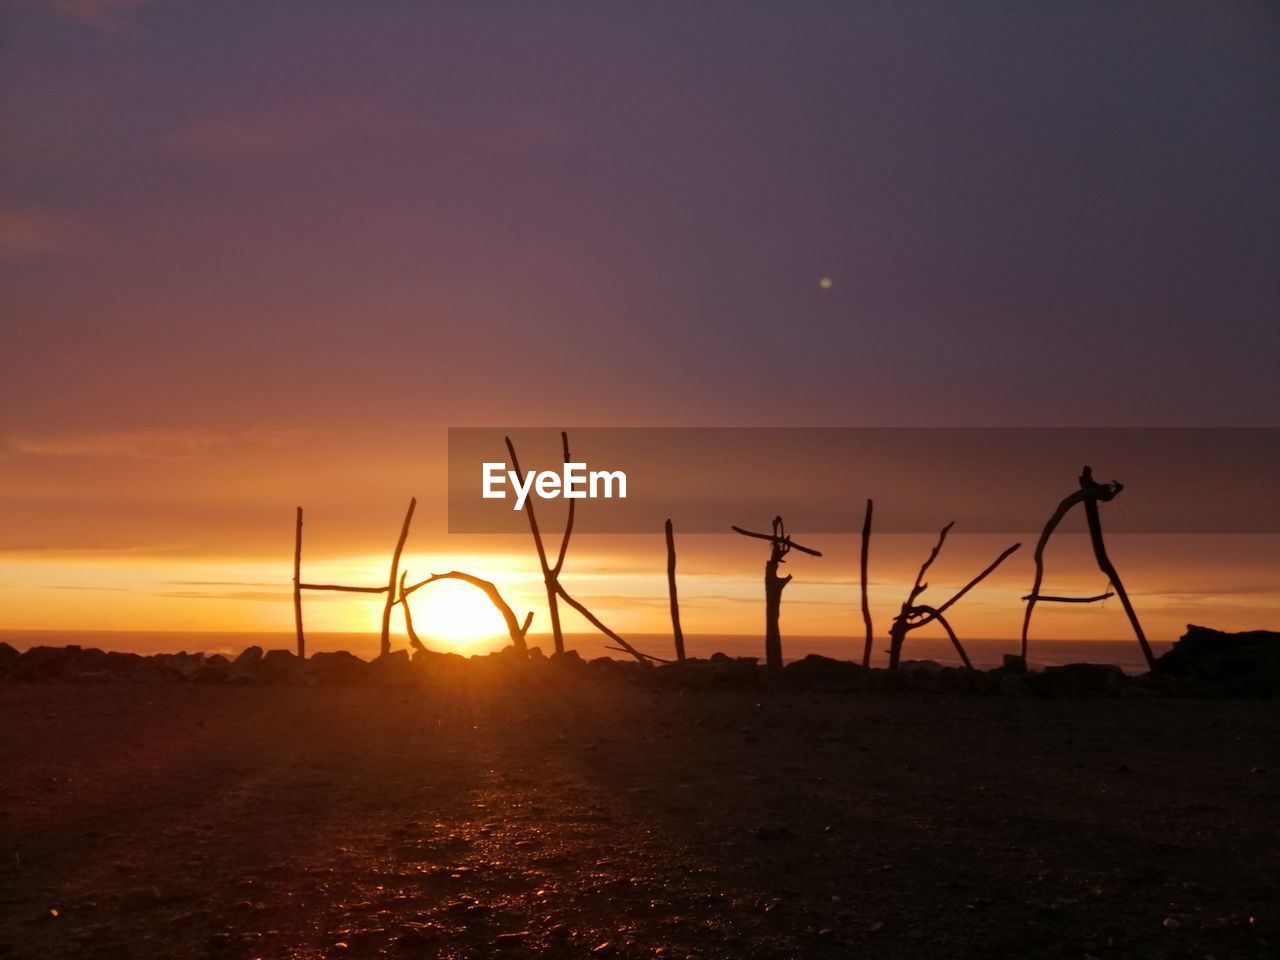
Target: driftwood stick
{"points": [[599, 625], [786, 541], [341, 587], [1063, 509], [676, 632], [568, 524], [297, 586], [408, 617], [980, 577], [1047, 598], [548, 574], [866, 604], [920, 586], [514, 628], [1104, 561], [934, 614], [391, 580]]}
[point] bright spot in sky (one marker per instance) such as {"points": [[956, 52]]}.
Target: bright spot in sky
{"points": [[454, 614], [825, 283]]}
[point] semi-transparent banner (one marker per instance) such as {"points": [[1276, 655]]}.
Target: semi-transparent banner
{"points": [[989, 480]]}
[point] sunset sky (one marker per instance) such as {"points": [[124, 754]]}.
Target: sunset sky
{"points": [[261, 255]]}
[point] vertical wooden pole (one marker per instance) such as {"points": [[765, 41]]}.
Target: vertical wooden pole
{"points": [[392, 580], [866, 604], [671, 589], [773, 585], [297, 585]]}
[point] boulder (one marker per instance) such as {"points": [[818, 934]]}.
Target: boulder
{"points": [[392, 667], [825, 673], [277, 666], [1245, 663], [43, 663], [339, 667], [248, 657]]}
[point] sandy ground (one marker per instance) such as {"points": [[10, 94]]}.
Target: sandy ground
{"points": [[589, 816]]}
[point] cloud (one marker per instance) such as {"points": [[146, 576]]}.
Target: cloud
{"points": [[151, 444], [122, 445], [35, 231]]}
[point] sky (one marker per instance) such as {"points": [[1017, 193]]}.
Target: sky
{"points": [[260, 255]]}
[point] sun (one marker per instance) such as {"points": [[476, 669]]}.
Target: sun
{"points": [[455, 615]]}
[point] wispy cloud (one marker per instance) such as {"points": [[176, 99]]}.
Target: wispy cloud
{"points": [[150, 444], [122, 445]]}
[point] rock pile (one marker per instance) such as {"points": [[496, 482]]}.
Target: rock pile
{"points": [[1204, 663]]}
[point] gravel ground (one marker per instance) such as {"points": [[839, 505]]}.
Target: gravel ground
{"points": [[563, 814]]}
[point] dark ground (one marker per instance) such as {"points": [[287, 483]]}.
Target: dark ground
{"points": [[559, 816]]}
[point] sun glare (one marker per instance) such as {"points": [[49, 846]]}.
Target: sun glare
{"points": [[455, 616]]}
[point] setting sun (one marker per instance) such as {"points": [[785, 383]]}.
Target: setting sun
{"points": [[455, 615]]}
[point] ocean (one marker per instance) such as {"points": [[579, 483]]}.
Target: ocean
{"points": [[984, 653]]}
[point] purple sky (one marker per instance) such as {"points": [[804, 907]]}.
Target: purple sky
{"points": [[257, 253]]}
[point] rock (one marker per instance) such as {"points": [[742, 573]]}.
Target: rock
{"points": [[1013, 663], [825, 673], [248, 657], [43, 663], [177, 666], [1081, 679], [278, 666], [338, 667], [1244, 663], [773, 830], [393, 667], [216, 669]]}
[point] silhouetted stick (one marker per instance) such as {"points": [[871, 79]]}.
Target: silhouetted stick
{"points": [[776, 539], [599, 625], [980, 577], [408, 617], [391, 581], [866, 604], [1104, 562], [514, 628], [297, 586], [1047, 598], [342, 587], [1063, 509], [548, 573], [676, 632], [920, 586], [955, 641], [568, 524], [912, 616]]}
